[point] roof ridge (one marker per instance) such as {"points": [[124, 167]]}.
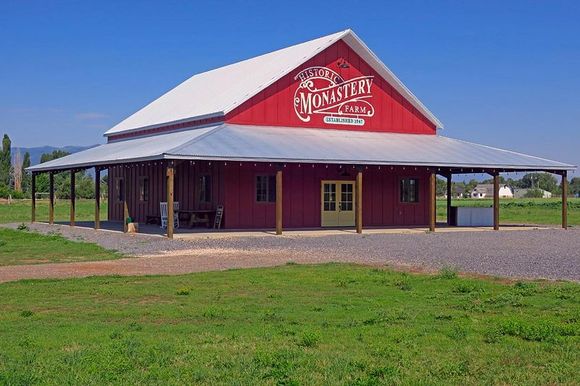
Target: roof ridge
{"points": [[335, 37], [231, 85]]}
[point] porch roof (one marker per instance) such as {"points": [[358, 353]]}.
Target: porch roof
{"points": [[243, 143]]}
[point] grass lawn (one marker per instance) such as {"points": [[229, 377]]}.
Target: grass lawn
{"points": [[19, 211], [22, 247], [522, 210], [326, 324]]}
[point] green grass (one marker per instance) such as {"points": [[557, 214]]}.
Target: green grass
{"points": [[328, 324], [523, 210], [23, 247], [19, 211]]}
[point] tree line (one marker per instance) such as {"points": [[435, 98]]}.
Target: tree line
{"points": [[535, 182], [16, 182]]}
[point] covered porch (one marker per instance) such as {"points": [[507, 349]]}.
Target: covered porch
{"points": [[232, 156]]}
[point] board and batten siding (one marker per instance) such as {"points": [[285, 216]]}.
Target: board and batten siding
{"points": [[274, 105], [186, 189], [234, 186]]}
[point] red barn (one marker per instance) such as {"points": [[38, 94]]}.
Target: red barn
{"points": [[320, 134]]}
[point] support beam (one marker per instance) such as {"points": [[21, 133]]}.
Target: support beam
{"points": [[496, 201], [432, 200], [449, 193], [279, 202], [72, 197], [358, 202], [51, 198], [565, 199], [125, 216], [97, 198], [170, 213], [33, 203], [125, 205]]}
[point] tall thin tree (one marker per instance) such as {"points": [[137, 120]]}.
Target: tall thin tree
{"points": [[17, 171], [5, 161]]}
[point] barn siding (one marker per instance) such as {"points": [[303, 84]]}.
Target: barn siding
{"points": [[274, 105], [233, 185], [186, 187]]}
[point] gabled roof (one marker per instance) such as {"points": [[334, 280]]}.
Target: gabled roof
{"points": [[244, 143], [217, 92]]}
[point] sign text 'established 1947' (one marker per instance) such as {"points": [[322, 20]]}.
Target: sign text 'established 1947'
{"points": [[323, 91]]}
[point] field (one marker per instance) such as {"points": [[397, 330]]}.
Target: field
{"points": [[326, 324], [19, 211], [522, 211], [22, 247]]}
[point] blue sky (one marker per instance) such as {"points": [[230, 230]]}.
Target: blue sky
{"points": [[502, 73]]}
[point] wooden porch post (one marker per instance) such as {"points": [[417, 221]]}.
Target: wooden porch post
{"points": [[279, 202], [33, 203], [496, 201], [432, 200], [51, 198], [97, 198], [449, 177], [358, 202], [72, 197], [125, 205], [564, 199], [170, 213]]}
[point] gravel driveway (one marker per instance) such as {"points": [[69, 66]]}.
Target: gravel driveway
{"points": [[543, 253]]}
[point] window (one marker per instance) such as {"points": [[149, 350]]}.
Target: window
{"points": [[266, 188], [409, 190], [144, 189], [346, 196], [329, 197], [205, 189], [120, 189]]}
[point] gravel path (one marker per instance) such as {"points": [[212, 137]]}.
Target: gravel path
{"points": [[544, 253]]}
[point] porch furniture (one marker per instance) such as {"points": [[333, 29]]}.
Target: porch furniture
{"points": [[163, 210], [198, 216], [464, 216]]}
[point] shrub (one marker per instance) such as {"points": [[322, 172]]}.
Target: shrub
{"points": [[183, 291], [492, 335], [538, 331], [309, 339], [403, 283], [212, 312], [26, 313], [447, 273], [534, 193], [465, 288], [6, 192], [457, 332], [525, 289]]}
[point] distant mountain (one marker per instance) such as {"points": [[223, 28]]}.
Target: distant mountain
{"points": [[37, 152]]}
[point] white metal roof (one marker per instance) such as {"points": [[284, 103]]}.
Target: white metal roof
{"points": [[133, 150], [283, 144], [219, 91]]}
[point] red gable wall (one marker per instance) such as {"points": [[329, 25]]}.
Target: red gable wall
{"points": [[392, 113]]}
